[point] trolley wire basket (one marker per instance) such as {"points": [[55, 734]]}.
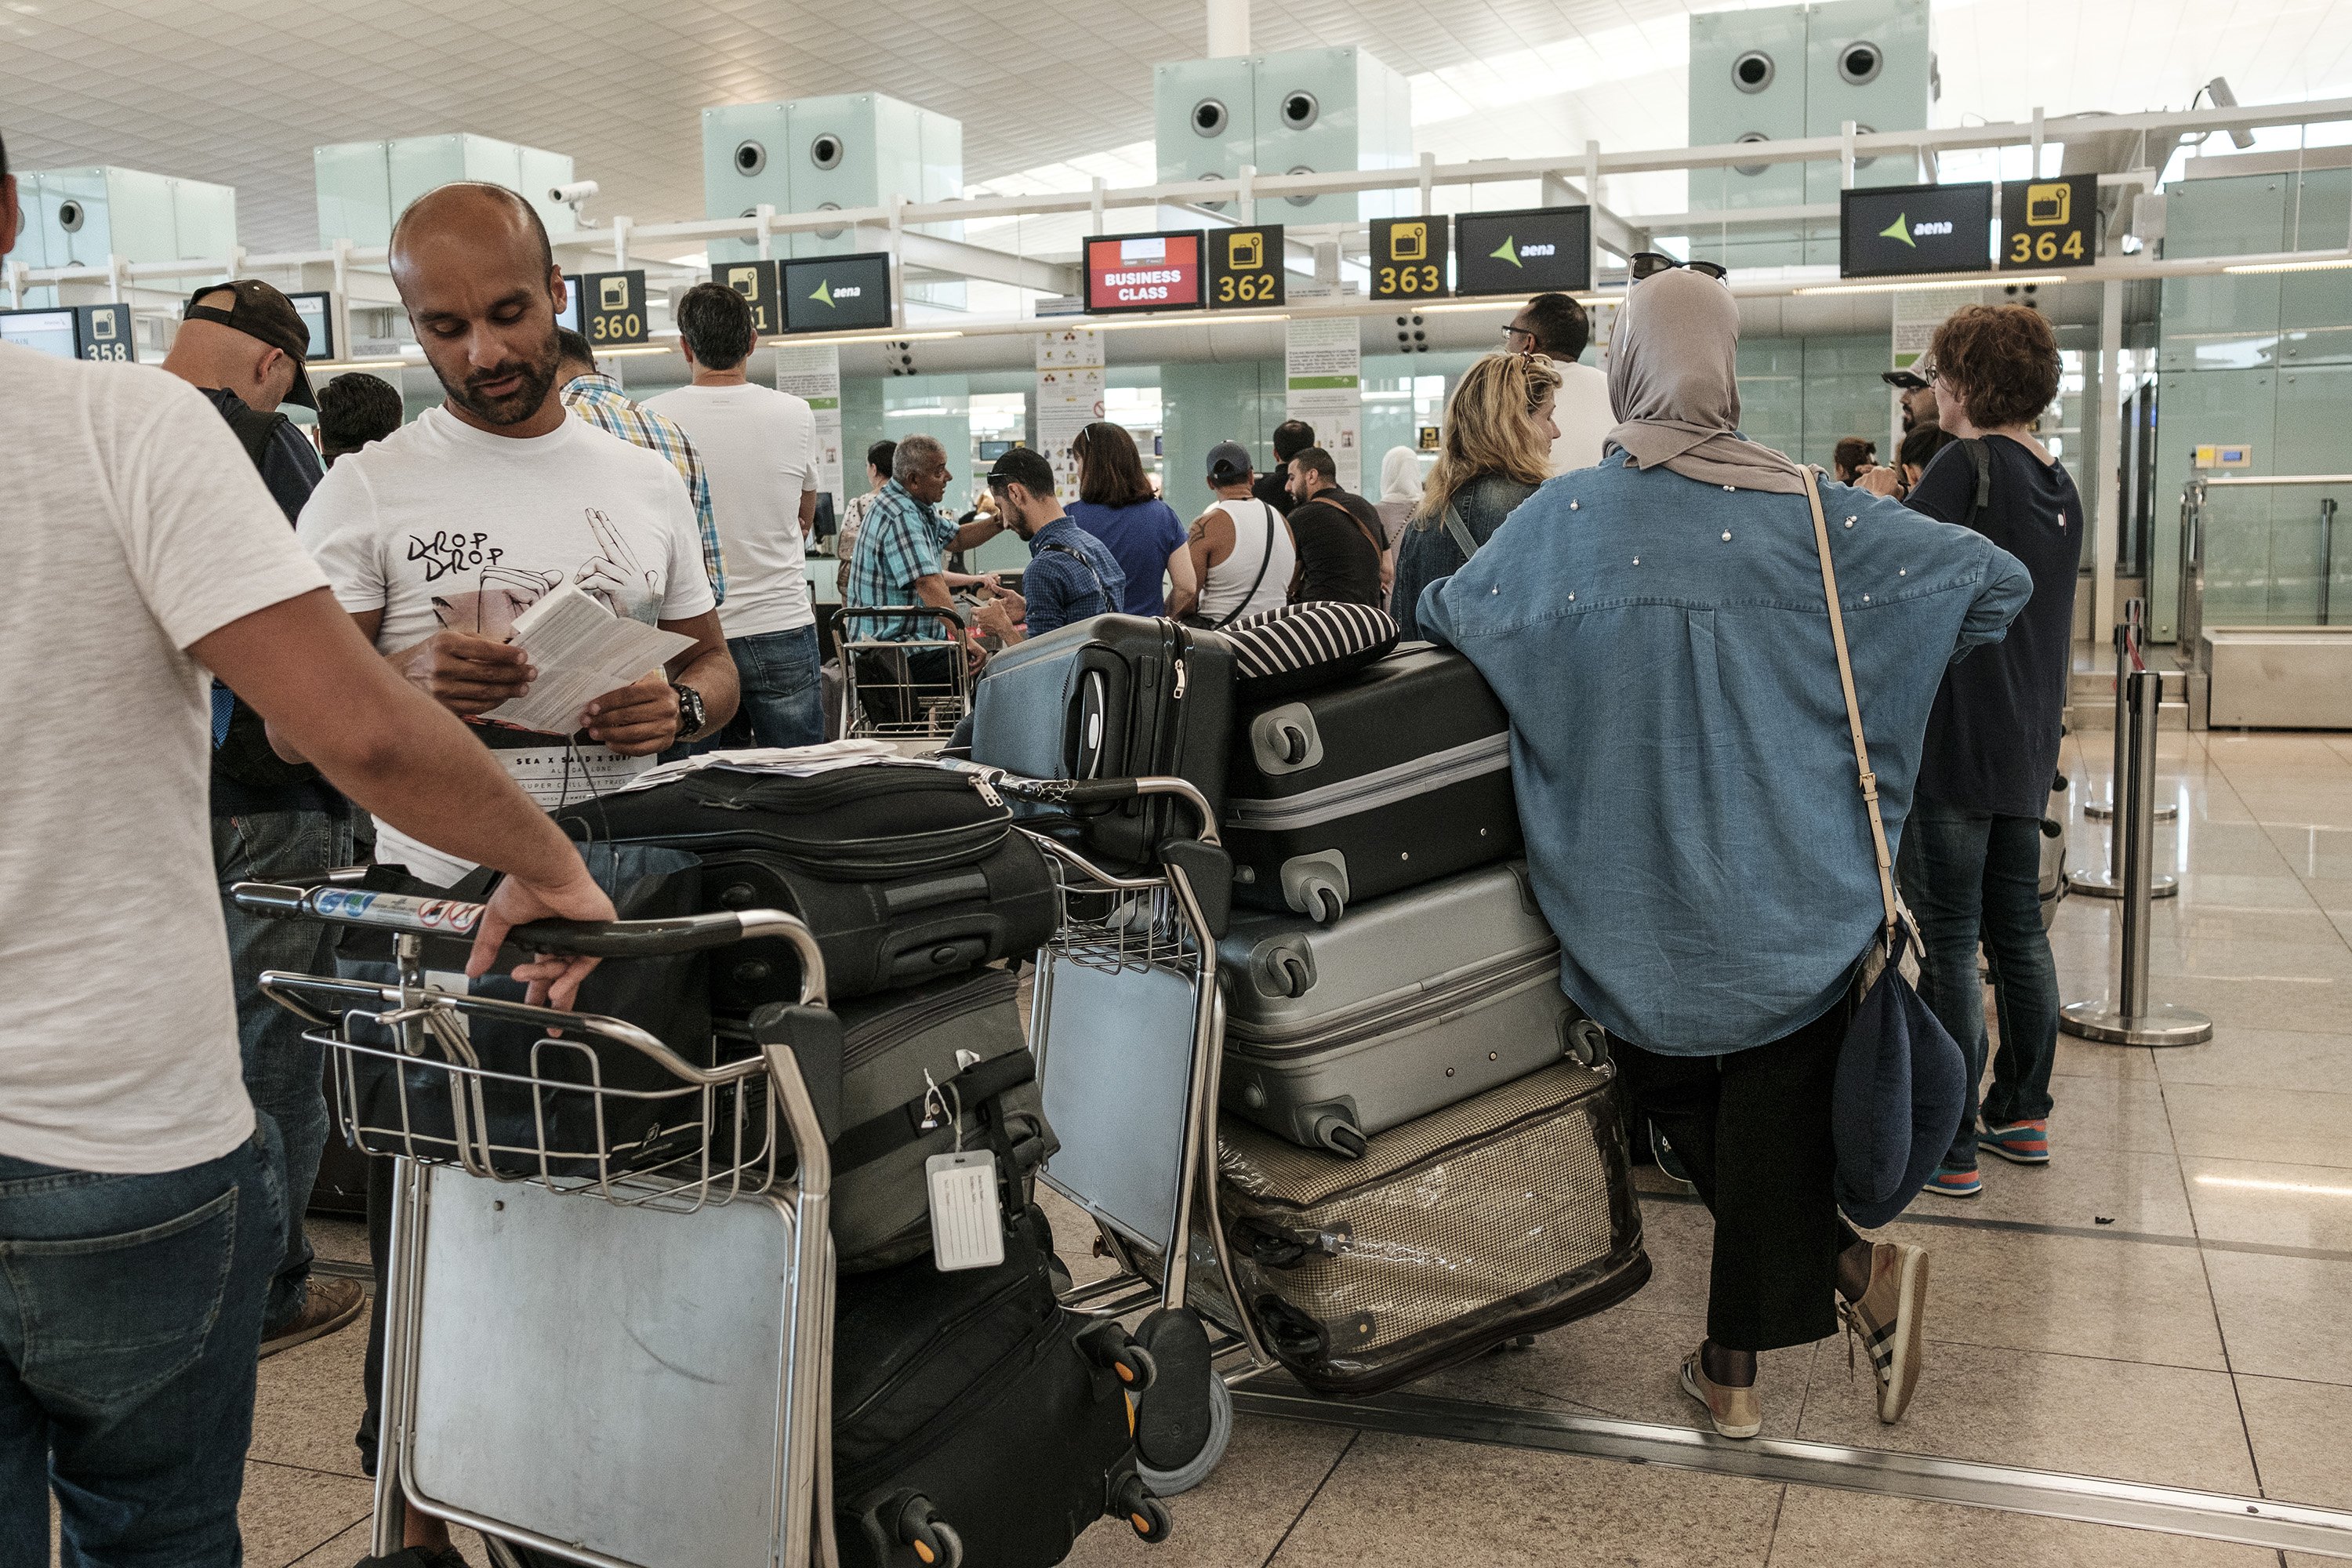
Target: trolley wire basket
{"points": [[510, 1092], [915, 689]]}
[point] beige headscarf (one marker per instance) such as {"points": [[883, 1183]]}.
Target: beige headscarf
{"points": [[1673, 384]]}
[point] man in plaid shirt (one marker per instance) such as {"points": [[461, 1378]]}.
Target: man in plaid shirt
{"points": [[902, 550], [596, 398]]}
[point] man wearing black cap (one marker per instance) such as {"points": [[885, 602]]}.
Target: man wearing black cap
{"points": [[1242, 556], [1919, 406], [243, 345], [1071, 575]]}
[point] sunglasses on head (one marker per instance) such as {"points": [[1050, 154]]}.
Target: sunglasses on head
{"points": [[1650, 263]]}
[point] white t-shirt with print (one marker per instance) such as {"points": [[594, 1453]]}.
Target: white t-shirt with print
{"points": [[442, 526], [136, 526], [759, 451]]}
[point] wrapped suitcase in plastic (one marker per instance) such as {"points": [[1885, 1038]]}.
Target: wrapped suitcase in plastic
{"points": [[1505, 1215], [905, 871], [923, 1071], [975, 1422], [1391, 777], [1112, 696], [1409, 1004]]}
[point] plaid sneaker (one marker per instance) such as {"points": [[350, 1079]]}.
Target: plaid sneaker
{"points": [[1955, 1181], [1887, 1320], [1734, 1412], [2022, 1143]]}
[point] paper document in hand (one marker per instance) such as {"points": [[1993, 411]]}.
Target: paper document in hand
{"points": [[582, 651]]}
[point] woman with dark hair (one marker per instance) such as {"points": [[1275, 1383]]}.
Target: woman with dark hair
{"points": [[1116, 505], [1696, 833], [1496, 449], [1971, 864]]}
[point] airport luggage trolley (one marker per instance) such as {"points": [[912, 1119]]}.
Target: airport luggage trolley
{"points": [[882, 695], [1128, 1026], [628, 1368]]}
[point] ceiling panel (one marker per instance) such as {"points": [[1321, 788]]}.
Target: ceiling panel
{"points": [[239, 90]]}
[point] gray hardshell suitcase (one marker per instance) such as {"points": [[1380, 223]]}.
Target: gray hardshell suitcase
{"points": [[1406, 1006]]}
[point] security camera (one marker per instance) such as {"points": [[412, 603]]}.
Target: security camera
{"points": [[573, 195], [2218, 89]]}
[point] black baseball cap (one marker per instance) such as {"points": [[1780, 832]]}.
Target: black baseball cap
{"points": [[260, 311], [1022, 466], [1908, 380], [1228, 462]]}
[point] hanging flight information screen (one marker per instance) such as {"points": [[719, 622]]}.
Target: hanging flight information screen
{"points": [[1129, 273], [836, 293], [1535, 250], [1890, 230]]}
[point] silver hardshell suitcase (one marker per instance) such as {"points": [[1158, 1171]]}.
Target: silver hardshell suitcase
{"points": [[1407, 1005]]}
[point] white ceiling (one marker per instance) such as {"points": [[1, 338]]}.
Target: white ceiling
{"points": [[1049, 90]]}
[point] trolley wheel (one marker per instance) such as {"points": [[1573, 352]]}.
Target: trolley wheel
{"points": [[935, 1543], [1185, 1476]]}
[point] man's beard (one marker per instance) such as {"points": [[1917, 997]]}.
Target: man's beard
{"points": [[538, 377]]}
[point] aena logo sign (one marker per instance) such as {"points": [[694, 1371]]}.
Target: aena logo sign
{"points": [[1902, 229], [826, 293], [1511, 252]]}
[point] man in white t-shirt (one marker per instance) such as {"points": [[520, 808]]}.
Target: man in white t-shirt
{"points": [[1556, 326], [438, 537], [758, 449], [141, 1215]]}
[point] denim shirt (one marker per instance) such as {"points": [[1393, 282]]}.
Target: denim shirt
{"points": [[1685, 778]]}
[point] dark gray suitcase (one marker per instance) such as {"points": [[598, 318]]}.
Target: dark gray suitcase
{"points": [[1394, 777], [1408, 1005], [913, 1063]]}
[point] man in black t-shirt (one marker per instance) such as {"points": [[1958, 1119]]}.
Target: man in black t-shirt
{"points": [[244, 346], [1291, 438], [1338, 536]]}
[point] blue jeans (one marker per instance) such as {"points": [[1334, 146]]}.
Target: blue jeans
{"points": [[282, 1070], [130, 1324], [782, 702], [1972, 877]]}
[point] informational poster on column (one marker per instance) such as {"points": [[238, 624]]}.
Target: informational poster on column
{"points": [[1069, 397], [1324, 379], [813, 370], [1917, 313]]}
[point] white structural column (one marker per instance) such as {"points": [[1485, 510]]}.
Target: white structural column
{"points": [[2106, 483], [1229, 29]]}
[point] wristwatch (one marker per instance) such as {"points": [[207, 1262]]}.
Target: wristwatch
{"points": [[689, 709]]}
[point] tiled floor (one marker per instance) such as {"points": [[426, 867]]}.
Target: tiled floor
{"points": [[2167, 1301]]}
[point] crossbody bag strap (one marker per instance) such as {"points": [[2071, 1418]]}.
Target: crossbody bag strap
{"points": [[1869, 780], [1459, 531], [1101, 592]]}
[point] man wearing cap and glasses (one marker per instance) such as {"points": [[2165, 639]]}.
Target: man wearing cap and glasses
{"points": [[244, 346], [1917, 386], [1556, 326]]}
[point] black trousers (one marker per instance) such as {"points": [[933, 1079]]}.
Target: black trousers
{"points": [[1753, 1130]]}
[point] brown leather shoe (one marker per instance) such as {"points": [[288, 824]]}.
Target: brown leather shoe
{"points": [[331, 1304], [1736, 1412]]}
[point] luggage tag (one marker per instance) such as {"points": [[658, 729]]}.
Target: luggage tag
{"points": [[967, 1212]]}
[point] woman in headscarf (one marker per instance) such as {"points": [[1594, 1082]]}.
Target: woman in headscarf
{"points": [[1400, 489], [1685, 777], [1496, 450]]}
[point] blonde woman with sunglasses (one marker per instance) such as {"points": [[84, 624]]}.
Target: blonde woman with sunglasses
{"points": [[1498, 448]]}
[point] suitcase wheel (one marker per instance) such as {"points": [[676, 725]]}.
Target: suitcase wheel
{"points": [[936, 1544], [1146, 1514], [1341, 1136], [1106, 1344]]}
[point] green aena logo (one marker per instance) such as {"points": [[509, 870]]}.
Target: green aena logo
{"points": [[1511, 251], [1902, 229]]}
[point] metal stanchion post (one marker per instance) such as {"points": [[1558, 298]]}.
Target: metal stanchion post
{"points": [[2109, 883], [2127, 633], [2136, 1020]]}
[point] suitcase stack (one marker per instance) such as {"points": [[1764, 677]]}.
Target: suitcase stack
{"points": [[1422, 1156]]}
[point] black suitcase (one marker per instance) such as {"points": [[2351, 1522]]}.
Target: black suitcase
{"points": [[976, 1422], [904, 872], [1393, 777], [916, 1066], [1113, 697]]}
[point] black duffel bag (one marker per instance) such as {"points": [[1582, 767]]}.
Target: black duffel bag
{"points": [[637, 1116], [904, 872]]}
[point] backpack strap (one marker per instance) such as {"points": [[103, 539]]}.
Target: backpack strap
{"points": [[1459, 531], [254, 429], [1981, 456]]}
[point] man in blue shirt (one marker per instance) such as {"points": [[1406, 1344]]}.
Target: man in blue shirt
{"points": [[1071, 575]]}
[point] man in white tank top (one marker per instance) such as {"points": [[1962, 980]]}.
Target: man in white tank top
{"points": [[1241, 548]]}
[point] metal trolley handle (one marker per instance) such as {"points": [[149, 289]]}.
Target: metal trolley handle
{"points": [[1088, 792]]}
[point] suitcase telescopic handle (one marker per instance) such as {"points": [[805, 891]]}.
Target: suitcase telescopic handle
{"points": [[409, 915]]}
